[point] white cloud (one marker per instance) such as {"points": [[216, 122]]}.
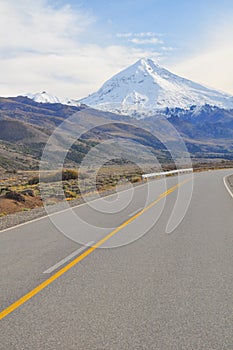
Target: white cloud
{"points": [[37, 27], [43, 50], [139, 35], [153, 41], [142, 38], [124, 35], [167, 48], [73, 75]]}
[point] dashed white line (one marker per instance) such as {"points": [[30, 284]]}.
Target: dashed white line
{"points": [[135, 212], [69, 257]]}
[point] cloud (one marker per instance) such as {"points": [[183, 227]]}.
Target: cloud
{"points": [[44, 49], [73, 75], [124, 35], [142, 38], [34, 26], [140, 35], [167, 48], [153, 41]]}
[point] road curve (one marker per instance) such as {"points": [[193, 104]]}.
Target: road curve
{"points": [[162, 291]]}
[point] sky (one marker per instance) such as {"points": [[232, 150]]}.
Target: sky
{"points": [[70, 48]]}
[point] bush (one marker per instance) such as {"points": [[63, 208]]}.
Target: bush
{"points": [[136, 179], [28, 192], [70, 194], [15, 196], [34, 180], [67, 174]]}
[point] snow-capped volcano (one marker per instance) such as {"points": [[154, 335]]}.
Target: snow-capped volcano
{"points": [[145, 88], [44, 97]]}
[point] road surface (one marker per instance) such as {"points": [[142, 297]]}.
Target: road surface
{"points": [[161, 291]]}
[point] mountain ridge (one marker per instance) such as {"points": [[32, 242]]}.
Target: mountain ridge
{"points": [[145, 88], [45, 97]]}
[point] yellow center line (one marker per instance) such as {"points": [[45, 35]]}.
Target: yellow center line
{"points": [[66, 268]]}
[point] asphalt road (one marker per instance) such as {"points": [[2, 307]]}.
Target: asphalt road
{"points": [[160, 291]]}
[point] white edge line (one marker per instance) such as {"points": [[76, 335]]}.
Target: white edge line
{"points": [[226, 185], [69, 257]]}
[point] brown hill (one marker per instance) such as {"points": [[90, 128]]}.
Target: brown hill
{"points": [[25, 126]]}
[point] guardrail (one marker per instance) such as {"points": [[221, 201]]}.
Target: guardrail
{"points": [[164, 173]]}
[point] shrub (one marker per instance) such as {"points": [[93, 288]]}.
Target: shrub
{"points": [[28, 192], [15, 195], [67, 174], [135, 179], [70, 194], [34, 180]]}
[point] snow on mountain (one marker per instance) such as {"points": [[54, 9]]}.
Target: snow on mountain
{"points": [[146, 88], [44, 97]]}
